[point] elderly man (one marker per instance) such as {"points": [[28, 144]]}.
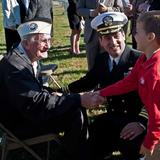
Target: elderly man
{"points": [[27, 108], [124, 125]]}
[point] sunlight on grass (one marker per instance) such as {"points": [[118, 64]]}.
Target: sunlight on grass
{"points": [[2, 39], [70, 67]]}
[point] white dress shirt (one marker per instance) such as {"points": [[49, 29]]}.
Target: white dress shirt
{"points": [[111, 62]]}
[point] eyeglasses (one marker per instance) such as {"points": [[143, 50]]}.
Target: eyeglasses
{"points": [[44, 41]]}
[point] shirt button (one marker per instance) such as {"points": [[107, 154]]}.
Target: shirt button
{"points": [[125, 111], [110, 99], [112, 110], [123, 101]]}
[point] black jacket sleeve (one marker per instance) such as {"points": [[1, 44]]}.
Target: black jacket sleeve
{"points": [[143, 118], [29, 98]]}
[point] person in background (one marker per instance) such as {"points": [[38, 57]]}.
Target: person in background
{"points": [[133, 10], [32, 108], [124, 125], [88, 10], [154, 5], [137, 7], [145, 78], [23, 4], [11, 19], [149, 5], [75, 25], [39, 9]]}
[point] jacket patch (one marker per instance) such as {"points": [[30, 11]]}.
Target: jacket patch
{"points": [[142, 81]]}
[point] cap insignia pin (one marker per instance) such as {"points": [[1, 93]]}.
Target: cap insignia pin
{"points": [[108, 20], [33, 26]]}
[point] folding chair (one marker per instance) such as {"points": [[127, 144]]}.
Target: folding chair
{"points": [[1, 56], [48, 74], [9, 142]]}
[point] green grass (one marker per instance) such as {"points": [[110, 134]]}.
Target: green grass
{"points": [[70, 67], [2, 37]]}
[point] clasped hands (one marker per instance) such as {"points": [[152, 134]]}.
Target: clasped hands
{"points": [[92, 99]]}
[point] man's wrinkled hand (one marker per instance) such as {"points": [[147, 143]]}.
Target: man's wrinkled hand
{"points": [[144, 151], [151, 154]]}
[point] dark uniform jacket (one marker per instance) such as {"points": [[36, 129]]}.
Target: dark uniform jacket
{"points": [[25, 105], [128, 104], [155, 5]]}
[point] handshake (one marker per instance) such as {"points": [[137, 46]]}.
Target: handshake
{"points": [[92, 99]]}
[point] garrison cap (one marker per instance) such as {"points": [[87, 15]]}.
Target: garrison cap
{"points": [[109, 22], [34, 26]]}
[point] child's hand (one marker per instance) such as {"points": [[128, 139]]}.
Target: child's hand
{"points": [[144, 151]]}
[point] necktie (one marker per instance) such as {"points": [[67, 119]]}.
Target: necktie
{"points": [[23, 10], [114, 65]]}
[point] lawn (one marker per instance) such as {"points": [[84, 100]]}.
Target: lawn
{"points": [[70, 67], [2, 37]]}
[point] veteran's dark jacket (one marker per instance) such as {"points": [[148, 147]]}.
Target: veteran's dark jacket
{"points": [[100, 76], [24, 103]]}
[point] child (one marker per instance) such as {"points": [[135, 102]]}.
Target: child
{"points": [[145, 77]]}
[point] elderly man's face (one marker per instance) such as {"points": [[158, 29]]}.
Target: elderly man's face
{"points": [[37, 46], [113, 43]]}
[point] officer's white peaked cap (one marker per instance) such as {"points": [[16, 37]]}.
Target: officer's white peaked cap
{"points": [[109, 22], [35, 26]]}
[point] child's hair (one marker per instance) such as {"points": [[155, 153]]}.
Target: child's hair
{"points": [[151, 22]]}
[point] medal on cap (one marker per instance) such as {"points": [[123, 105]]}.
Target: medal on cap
{"points": [[108, 20], [33, 26]]}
